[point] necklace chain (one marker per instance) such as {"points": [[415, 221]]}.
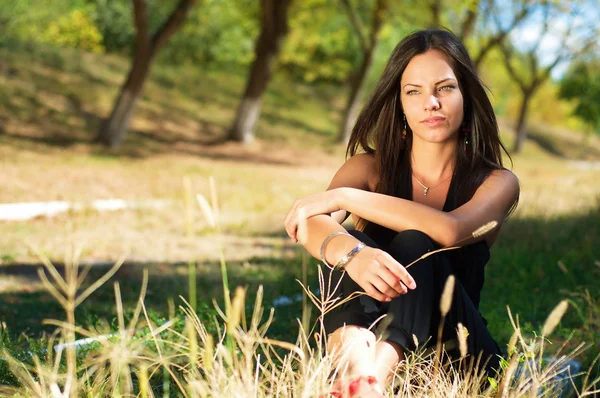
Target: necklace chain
{"points": [[426, 188]]}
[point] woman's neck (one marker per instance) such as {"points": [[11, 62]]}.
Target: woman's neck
{"points": [[433, 162]]}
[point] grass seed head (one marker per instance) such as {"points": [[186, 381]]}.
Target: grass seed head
{"points": [[562, 267], [462, 333], [446, 300], [237, 307], [484, 229], [555, 317], [513, 342]]}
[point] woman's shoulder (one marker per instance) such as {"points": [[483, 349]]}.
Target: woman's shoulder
{"points": [[503, 186], [358, 171], [503, 177], [362, 159]]}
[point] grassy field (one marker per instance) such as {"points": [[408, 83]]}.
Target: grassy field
{"points": [[50, 106]]}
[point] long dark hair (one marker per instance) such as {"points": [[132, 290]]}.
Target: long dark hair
{"points": [[378, 127]]}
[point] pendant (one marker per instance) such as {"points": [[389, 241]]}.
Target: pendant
{"points": [[426, 191]]}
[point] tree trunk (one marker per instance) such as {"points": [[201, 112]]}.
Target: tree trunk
{"points": [[357, 83], [436, 11], [358, 78], [274, 28], [520, 130], [113, 129]]}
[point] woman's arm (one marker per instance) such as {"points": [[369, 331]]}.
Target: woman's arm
{"points": [[379, 274], [491, 202]]}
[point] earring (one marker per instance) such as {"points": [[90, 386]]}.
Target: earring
{"points": [[403, 136], [466, 131]]}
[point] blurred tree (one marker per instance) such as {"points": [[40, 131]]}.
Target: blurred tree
{"points": [[113, 18], [368, 42], [435, 7], [582, 84], [146, 47], [274, 28], [220, 33], [76, 30], [469, 21], [30, 20], [321, 45], [439, 13], [524, 66], [496, 22], [217, 33]]}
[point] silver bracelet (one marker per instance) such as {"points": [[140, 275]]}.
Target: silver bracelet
{"points": [[349, 256], [340, 264], [324, 246]]}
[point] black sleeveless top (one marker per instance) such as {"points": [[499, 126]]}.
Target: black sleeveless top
{"points": [[468, 262]]}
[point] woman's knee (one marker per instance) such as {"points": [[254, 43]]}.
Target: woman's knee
{"points": [[350, 337], [410, 244]]}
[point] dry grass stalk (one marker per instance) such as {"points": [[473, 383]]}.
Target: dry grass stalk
{"points": [[255, 367], [445, 304], [479, 232], [214, 198], [206, 210]]}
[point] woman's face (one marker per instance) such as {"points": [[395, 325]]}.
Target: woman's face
{"points": [[431, 98]]}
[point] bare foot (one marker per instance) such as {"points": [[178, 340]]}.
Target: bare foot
{"points": [[363, 386]]}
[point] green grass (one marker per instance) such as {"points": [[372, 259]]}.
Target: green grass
{"points": [[50, 107], [524, 274], [24, 311]]}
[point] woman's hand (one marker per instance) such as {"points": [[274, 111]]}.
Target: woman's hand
{"points": [[307, 206], [379, 274]]}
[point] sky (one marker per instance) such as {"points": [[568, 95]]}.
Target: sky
{"points": [[584, 14]]}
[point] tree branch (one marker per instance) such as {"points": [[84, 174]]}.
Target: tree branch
{"points": [[171, 25], [140, 19], [469, 21], [499, 37], [356, 24], [378, 16], [507, 57]]}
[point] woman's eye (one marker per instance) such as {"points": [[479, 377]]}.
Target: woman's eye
{"points": [[447, 88], [411, 92]]}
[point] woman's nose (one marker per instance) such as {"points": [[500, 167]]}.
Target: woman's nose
{"points": [[432, 103]]}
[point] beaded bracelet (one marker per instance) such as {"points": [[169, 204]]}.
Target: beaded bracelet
{"points": [[344, 260]]}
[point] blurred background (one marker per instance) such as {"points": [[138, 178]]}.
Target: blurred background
{"points": [[114, 114]]}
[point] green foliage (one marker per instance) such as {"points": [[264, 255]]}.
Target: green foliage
{"points": [[321, 44], [217, 32], [74, 30], [545, 106], [582, 84], [27, 20], [113, 19]]}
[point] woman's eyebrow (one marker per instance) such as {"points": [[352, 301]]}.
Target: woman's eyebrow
{"points": [[441, 81]]}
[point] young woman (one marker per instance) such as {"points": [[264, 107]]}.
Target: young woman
{"points": [[425, 171]]}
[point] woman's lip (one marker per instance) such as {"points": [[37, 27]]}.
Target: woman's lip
{"points": [[433, 121]]}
